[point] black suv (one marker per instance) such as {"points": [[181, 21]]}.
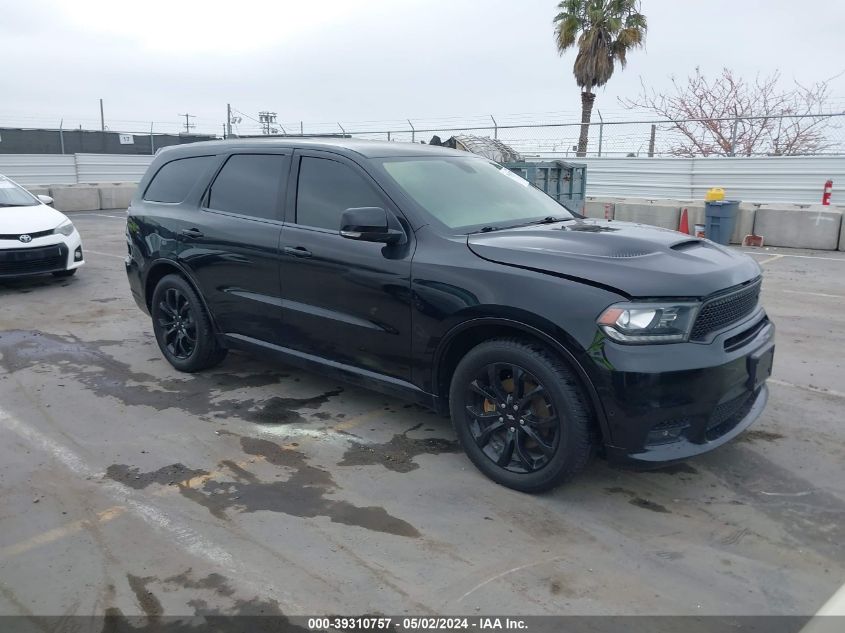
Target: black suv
{"points": [[442, 277]]}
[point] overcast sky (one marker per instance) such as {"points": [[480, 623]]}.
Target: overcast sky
{"points": [[376, 61]]}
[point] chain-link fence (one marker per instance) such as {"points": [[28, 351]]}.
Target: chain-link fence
{"points": [[542, 136], [790, 135]]}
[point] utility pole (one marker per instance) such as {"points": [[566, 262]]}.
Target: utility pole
{"points": [[188, 124], [102, 118], [267, 119], [227, 132]]}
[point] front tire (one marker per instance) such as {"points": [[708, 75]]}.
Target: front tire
{"points": [[182, 326], [65, 273], [521, 414]]}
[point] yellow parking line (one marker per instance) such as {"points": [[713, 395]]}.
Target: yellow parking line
{"points": [[60, 532], [771, 259]]}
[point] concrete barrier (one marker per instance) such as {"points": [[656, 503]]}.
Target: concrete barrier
{"points": [[75, 198], [794, 227], [596, 208], [39, 191], [662, 215], [117, 196], [744, 224], [842, 238]]}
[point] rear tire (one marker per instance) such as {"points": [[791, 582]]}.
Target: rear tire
{"points": [[521, 414], [183, 327]]}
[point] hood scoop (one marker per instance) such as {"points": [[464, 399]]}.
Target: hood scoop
{"points": [[687, 244]]}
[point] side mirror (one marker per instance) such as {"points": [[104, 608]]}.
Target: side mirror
{"points": [[45, 199], [368, 224]]}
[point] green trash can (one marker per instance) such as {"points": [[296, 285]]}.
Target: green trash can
{"points": [[720, 216]]}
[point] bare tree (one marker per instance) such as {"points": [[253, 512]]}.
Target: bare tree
{"points": [[730, 116]]}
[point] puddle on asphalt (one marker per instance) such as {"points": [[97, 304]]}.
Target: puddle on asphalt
{"points": [[278, 410], [149, 603], [398, 454], [302, 494], [638, 501], [106, 376], [225, 616], [213, 582], [165, 476]]}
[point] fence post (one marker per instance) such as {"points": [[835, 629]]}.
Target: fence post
{"points": [[413, 131], [651, 141], [62, 135], [601, 130], [152, 139], [495, 128], [733, 138]]}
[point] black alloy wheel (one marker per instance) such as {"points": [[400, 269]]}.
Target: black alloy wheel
{"points": [[513, 420], [521, 414], [183, 327], [178, 323]]}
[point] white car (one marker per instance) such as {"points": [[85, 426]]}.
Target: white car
{"points": [[35, 238]]}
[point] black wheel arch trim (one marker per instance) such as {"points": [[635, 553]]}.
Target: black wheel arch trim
{"points": [[182, 270], [530, 330]]}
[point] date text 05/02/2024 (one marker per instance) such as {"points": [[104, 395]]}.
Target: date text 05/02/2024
{"points": [[416, 623]]}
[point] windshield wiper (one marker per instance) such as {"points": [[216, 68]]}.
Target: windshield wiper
{"points": [[549, 219], [487, 229]]}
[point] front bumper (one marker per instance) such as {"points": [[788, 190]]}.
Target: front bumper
{"points": [[51, 253], [665, 403]]}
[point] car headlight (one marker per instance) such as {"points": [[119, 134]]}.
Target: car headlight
{"points": [[648, 322], [65, 228]]}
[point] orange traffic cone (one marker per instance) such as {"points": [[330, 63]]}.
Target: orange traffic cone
{"points": [[683, 227]]}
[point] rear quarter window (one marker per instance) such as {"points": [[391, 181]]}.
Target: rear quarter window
{"points": [[249, 184], [174, 180]]}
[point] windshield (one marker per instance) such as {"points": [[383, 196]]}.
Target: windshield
{"points": [[471, 192], [12, 195]]}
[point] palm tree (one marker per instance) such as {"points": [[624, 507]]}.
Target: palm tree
{"points": [[604, 31]]}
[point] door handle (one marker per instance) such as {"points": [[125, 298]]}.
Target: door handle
{"points": [[192, 233], [299, 251]]}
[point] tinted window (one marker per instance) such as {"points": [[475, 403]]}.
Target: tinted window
{"points": [[326, 189], [249, 184], [462, 192], [175, 179]]}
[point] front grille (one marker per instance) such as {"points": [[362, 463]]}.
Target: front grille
{"points": [[725, 309], [17, 236], [735, 342], [728, 414], [26, 261]]}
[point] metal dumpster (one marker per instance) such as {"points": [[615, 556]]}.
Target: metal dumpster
{"points": [[565, 182]]}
